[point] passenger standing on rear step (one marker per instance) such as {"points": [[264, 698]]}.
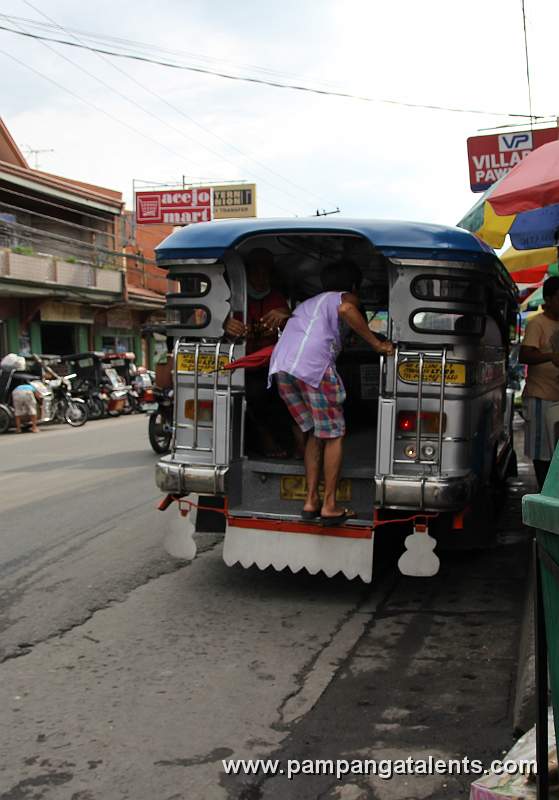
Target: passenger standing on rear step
{"points": [[304, 363]]}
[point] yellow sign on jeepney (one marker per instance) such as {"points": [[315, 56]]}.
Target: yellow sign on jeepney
{"points": [[206, 362], [454, 373], [294, 487]]}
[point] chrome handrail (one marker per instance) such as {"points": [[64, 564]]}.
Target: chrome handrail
{"points": [[419, 409], [441, 410]]}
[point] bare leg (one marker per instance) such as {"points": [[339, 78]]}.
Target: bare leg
{"points": [[333, 453], [34, 428], [300, 439], [18, 423], [313, 463]]}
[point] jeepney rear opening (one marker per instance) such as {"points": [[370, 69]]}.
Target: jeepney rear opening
{"points": [[257, 484]]}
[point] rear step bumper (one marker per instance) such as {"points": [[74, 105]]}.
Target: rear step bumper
{"points": [[439, 493], [175, 478]]}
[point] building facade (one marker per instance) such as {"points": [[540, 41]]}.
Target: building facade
{"points": [[73, 277]]}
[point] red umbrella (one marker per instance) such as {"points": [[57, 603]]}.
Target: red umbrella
{"points": [[532, 184], [254, 360]]}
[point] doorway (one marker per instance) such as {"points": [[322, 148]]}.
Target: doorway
{"points": [[58, 338]]}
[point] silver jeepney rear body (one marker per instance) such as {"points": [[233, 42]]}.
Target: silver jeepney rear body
{"points": [[451, 389], [208, 412]]}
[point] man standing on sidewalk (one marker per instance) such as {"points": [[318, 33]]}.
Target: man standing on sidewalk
{"points": [[540, 350], [304, 363]]}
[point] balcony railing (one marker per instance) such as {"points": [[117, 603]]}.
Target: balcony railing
{"points": [[50, 270]]}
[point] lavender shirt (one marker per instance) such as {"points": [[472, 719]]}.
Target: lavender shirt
{"points": [[311, 340]]}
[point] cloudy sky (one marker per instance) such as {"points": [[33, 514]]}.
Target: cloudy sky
{"points": [[125, 121]]}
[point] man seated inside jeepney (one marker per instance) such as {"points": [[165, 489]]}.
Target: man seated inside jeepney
{"points": [[267, 313]]}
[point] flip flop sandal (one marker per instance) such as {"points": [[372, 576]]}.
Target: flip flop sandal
{"points": [[339, 519], [310, 515]]}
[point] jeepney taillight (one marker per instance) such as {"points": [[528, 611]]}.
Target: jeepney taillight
{"points": [[407, 421], [205, 410]]}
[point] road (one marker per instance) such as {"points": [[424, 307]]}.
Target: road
{"points": [[126, 674]]}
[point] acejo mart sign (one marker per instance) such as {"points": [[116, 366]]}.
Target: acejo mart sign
{"points": [[174, 207]]}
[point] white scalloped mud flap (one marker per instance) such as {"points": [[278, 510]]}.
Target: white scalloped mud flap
{"points": [[313, 552], [179, 541]]}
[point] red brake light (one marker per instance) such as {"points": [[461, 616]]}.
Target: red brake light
{"points": [[407, 422], [205, 410]]}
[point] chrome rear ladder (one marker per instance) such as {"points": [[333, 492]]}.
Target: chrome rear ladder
{"points": [[388, 413], [214, 444]]}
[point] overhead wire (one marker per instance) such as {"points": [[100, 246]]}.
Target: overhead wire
{"points": [[107, 113], [527, 62], [182, 113], [274, 84], [129, 44]]}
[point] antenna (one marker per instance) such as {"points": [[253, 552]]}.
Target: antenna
{"points": [[30, 151], [324, 213]]}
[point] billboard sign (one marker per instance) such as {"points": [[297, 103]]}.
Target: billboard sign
{"points": [[234, 201], [490, 157], [174, 206]]}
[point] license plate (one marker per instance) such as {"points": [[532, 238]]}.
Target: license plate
{"points": [[454, 373], [294, 487], [206, 362]]}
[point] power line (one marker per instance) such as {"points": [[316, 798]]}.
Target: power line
{"points": [[103, 111], [527, 62], [263, 82], [177, 110], [128, 44], [90, 104]]}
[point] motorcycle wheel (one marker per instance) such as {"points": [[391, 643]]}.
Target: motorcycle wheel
{"points": [[129, 405], [76, 414], [96, 408], [159, 436]]}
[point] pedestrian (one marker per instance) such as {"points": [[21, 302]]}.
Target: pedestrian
{"points": [[24, 399], [304, 363], [540, 351]]}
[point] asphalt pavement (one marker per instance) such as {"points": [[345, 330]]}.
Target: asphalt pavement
{"points": [[127, 674]]}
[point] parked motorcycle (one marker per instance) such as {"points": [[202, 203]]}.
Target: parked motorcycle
{"points": [[95, 398], [67, 408], [144, 391], [160, 426]]}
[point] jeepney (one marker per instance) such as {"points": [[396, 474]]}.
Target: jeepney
{"points": [[429, 429]]}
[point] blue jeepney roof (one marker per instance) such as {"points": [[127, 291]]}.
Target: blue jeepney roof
{"points": [[392, 238]]}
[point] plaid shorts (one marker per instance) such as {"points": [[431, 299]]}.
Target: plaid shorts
{"points": [[320, 409]]}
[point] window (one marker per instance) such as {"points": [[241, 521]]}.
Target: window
{"points": [[194, 285], [189, 316], [458, 322], [428, 287], [117, 344], [378, 322]]}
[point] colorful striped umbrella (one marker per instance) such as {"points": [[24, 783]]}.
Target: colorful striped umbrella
{"points": [[529, 268], [520, 260], [524, 204]]}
